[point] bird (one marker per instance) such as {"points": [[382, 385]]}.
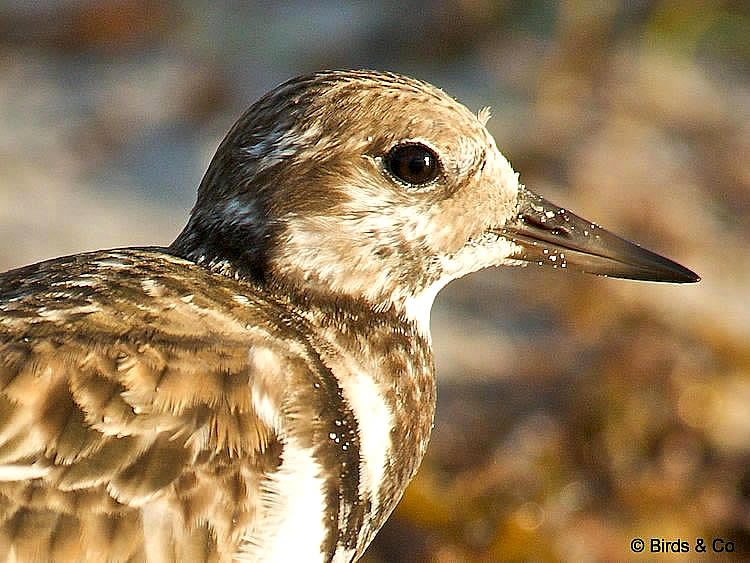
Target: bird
{"points": [[263, 389]]}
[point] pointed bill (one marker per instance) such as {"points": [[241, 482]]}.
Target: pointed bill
{"points": [[552, 236]]}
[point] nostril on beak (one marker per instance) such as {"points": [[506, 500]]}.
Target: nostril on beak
{"points": [[537, 223]]}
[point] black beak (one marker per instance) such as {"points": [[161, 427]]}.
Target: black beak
{"points": [[552, 236]]}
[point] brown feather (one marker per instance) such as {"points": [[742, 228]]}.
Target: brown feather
{"points": [[119, 420]]}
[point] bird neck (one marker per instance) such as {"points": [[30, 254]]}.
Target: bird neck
{"points": [[384, 370]]}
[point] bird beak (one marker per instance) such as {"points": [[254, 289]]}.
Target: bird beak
{"points": [[552, 236]]}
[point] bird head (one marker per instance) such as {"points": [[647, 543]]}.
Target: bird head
{"points": [[384, 188]]}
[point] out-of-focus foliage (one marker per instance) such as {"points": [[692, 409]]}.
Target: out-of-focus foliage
{"points": [[575, 413]]}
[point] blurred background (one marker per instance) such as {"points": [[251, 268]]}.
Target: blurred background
{"points": [[575, 413]]}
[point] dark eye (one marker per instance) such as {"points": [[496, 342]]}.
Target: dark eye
{"points": [[413, 163]]}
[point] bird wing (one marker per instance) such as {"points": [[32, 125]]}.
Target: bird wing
{"points": [[129, 423]]}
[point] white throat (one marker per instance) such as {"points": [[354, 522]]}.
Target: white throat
{"points": [[417, 308]]}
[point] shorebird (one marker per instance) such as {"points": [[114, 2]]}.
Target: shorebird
{"points": [[263, 389]]}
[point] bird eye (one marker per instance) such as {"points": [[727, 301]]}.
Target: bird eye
{"points": [[413, 163]]}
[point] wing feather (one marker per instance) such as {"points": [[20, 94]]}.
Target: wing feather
{"points": [[126, 411]]}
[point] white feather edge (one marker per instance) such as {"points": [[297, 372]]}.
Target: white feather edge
{"points": [[19, 472]]}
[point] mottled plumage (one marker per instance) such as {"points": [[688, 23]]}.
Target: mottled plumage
{"points": [[263, 389]]}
